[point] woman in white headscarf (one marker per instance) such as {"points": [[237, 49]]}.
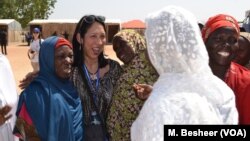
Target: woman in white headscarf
{"points": [[8, 100], [186, 92]]}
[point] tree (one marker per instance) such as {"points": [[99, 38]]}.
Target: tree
{"points": [[26, 10]]}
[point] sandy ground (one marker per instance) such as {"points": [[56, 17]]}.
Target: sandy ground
{"points": [[17, 55]]}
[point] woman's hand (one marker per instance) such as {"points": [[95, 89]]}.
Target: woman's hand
{"points": [[27, 79], [4, 111], [142, 91]]}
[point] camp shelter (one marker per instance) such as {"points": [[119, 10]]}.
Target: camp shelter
{"points": [[137, 25], [59, 26], [52, 27], [112, 26], [13, 29]]}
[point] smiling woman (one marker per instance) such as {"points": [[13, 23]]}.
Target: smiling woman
{"points": [[221, 34], [50, 106], [130, 47], [124, 48], [94, 75], [63, 58]]}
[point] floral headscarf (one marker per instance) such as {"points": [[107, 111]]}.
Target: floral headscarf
{"points": [[125, 106], [134, 39]]}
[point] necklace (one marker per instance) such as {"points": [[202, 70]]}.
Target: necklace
{"points": [[93, 88], [93, 76]]}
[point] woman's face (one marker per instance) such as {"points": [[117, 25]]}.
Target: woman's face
{"points": [[222, 46], [63, 61], [36, 35], [123, 50], [94, 41], [243, 54]]}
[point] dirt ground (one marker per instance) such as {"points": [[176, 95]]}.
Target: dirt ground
{"points": [[17, 55]]}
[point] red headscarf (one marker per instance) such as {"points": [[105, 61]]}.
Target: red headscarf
{"points": [[61, 41], [217, 21]]}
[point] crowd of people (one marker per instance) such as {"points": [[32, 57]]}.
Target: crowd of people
{"points": [[180, 72]]}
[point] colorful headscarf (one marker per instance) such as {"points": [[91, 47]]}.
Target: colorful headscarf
{"points": [[134, 39], [125, 106], [217, 21], [62, 41]]}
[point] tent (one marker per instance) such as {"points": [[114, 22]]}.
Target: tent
{"points": [[13, 29], [59, 26]]}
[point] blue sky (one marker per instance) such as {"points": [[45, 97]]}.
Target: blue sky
{"points": [[125, 10]]}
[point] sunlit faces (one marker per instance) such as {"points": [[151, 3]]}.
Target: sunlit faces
{"points": [[222, 45], [123, 50], [94, 41], [63, 61]]}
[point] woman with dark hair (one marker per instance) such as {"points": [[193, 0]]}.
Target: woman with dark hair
{"points": [[94, 76]]}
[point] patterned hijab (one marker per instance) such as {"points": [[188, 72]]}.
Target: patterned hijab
{"points": [[176, 46], [134, 39], [139, 70], [186, 92]]}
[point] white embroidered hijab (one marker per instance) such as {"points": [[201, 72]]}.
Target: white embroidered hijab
{"points": [[186, 92]]}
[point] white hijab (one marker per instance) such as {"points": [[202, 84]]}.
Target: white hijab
{"points": [[8, 95], [186, 92]]}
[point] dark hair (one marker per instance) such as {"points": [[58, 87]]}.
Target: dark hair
{"points": [[82, 27]]}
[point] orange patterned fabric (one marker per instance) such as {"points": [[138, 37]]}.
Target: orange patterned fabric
{"points": [[217, 21]]}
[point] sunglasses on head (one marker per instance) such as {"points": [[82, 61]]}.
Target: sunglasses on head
{"points": [[93, 18]]}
